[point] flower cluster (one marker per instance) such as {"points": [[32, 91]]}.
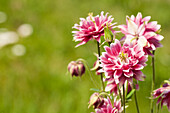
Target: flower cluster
{"points": [[122, 61]]}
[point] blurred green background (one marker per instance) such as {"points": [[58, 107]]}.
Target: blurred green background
{"points": [[37, 82]]}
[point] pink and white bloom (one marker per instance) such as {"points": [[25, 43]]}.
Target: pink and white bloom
{"points": [[92, 28], [123, 63], [140, 30], [111, 86], [107, 107], [164, 95]]}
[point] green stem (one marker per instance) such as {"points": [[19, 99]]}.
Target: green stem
{"points": [[158, 108], [87, 67], [153, 80], [123, 99], [136, 102], [98, 48], [120, 96]]}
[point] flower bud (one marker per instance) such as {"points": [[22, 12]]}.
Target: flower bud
{"points": [[76, 68], [96, 100]]}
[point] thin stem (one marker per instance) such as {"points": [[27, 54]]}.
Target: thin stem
{"points": [[136, 102], [98, 48], [87, 67], [158, 108], [153, 80], [123, 99], [120, 95]]}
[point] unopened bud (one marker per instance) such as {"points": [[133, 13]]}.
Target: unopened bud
{"points": [[76, 68], [96, 100]]}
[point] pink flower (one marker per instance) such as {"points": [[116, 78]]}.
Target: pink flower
{"points": [[164, 95], [111, 86], [107, 107], [140, 30], [123, 63], [92, 28]]}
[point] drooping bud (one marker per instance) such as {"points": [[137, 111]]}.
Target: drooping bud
{"points": [[76, 68], [96, 100]]}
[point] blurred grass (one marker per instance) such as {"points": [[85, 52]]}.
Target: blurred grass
{"points": [[37, 82]]}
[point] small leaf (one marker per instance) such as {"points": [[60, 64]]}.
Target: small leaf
{"points": [[94, 89], [130, 94]]}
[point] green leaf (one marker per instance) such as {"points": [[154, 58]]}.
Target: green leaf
{"points": [[94, 89], [130, 94]]}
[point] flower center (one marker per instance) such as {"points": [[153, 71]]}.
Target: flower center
{"points": [[123, 56]]}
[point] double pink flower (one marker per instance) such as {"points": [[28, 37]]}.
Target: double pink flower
{"points": [[140, 30], [92, 28], [123, 63]]}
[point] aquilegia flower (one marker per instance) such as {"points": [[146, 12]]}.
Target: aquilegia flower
{"points": [[76, 68], [111, 86], [164, 95], [123, 63], [92, 28], [140, 30], [107, 107]]}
